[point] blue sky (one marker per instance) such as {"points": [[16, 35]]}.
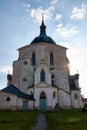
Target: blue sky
{"points": [[66, 22]]}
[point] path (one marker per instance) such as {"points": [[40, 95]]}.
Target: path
{"points": [[41, 124]]}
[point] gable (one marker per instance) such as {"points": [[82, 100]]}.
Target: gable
{"points": [[43, 85]]}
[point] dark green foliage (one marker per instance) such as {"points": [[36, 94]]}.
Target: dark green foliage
{"points": [[84, 109]]}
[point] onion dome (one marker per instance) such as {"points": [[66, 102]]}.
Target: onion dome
{"points": [[43, 37]]}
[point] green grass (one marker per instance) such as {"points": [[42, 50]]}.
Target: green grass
{"points": [[18, 120], [61, 120], [66, 120]]}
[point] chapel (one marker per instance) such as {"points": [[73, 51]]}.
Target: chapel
{"points": [[41, 78]]}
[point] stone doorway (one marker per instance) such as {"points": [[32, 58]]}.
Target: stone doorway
{"points": [[42, 101]]}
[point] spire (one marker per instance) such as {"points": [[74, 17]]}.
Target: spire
{"points": [[42, 36], [42, 17], [42, 27]]}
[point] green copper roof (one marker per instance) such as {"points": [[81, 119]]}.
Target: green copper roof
{"points": [[43, 37]]}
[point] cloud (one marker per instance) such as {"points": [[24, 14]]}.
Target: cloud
{"points": [[66, 31], [77, 57], [26, 5], [28, 10], [66, 44], [6, 70], [78, 13], [37, 13], [58, 17], [53, 2]]}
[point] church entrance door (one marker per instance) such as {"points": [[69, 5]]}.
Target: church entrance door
{"points": [[42, 101], [25, 105]]}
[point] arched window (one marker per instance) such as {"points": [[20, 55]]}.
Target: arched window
{"points": [[42, 95], [25, 62], [33, 58], [76, 96], [8, 99], [42, 75], [52, 79], [54, 94], [51, 59], [24, 79]]}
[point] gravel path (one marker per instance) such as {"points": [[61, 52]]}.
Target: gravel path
{"points": [[41, 124]]}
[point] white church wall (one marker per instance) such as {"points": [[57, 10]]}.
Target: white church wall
{"points": [[16, 73], [50, 101], [59, 69], [26, 75], [26, 52], [55, 98], [20, 104], [47, 74], [42, 51], [7, 101], [23, 74], [64, 99], [76, 99], [31, 105], [61, 79]]}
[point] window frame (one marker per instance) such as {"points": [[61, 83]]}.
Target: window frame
{"points": [[51, 58], [42, 75], [33, 58]]}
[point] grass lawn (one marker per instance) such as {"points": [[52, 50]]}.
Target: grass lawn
{"points": [[17, 120], [61, 120], [66, 120]]}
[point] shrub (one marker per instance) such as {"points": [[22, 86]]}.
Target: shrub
{"points": [[84, 109]]}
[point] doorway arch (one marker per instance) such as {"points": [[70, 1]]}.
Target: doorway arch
{"points": [[42, 101]]}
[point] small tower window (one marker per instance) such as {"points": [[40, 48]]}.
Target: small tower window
{"points": [[51, 59], [8, 99], [42, 75], [25, 62], [52, 79], [54, 94], [33, 58], [24, 79], [76, 96]]}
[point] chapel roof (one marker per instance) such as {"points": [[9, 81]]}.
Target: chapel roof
{"points": [[11, 89], [43, 36], [72, 82]]}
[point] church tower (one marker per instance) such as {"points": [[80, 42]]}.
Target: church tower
{"points": [[42, 70]]}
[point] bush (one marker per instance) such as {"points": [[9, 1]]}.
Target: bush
{"points": [[84, 109]]}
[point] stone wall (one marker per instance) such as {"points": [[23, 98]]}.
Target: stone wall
{"points": [[42, 51], [64, 99], [7, 101], [48, 90], [76, 99], [12, 102]]}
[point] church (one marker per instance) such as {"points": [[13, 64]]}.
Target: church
{"points": [[41, 78]]}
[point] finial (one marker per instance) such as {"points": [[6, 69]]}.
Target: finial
{"points": [[42, 16], [77, 71], [42, 27]]}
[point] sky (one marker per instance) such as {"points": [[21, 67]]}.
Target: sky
{"points": [[66, 22]]}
